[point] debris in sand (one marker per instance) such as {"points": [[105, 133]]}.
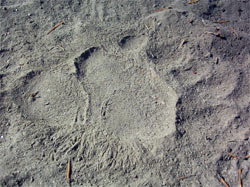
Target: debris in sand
{"points": [[69, 171], [162, 9], [224, 182], [193, 1], [233, 156], [34, 96], [53, 28], [182, 43], [185, 177], [239, 171], [218, 34], [221, 21], [234, 32], [237, 157], [240, 180]]}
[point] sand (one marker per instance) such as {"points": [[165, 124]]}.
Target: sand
{"points": [[134, 93]]}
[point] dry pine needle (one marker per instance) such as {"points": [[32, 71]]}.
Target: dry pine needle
{"points": [[53, 28], [68, 171], [224, 182]]}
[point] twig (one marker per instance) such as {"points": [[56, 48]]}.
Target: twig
{"points": [[240, 180], [53, 28], [224, 182], [248, 156]]}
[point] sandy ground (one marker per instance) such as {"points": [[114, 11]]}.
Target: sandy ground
{"points": [[134, 93]]}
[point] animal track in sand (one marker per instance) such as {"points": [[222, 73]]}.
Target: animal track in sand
{"points": [[54, 97], [128, 98]]}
